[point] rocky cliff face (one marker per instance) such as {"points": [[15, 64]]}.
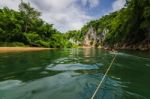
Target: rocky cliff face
{"points": [[94, 39], [90, 37]]}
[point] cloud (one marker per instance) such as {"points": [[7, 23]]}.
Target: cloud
{"points": [[91, 3], [118, 4], [64, 14], [13, 4]]}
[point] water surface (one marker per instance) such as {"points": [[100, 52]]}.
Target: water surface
{"points": [[74, 74]]}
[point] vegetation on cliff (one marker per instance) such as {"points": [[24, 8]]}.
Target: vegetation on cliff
{"points": [[127, 27]]}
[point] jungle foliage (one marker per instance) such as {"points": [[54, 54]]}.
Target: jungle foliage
{"points": [[130, 25], [26, 28]]}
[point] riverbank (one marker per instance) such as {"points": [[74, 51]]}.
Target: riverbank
{"points": [[21, 49], [141, 47]]}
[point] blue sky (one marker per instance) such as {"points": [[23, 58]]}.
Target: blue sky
{"points": [[69, 14], [103, 7]]}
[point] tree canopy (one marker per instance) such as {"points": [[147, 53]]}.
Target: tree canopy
{"points": [[26, 28], [130, 25]]}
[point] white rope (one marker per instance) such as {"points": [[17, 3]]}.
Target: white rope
{"points": [[103, 77]]}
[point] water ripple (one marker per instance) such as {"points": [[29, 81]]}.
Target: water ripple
{"points": [[63, 67]]}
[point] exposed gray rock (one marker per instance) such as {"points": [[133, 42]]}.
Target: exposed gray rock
{"points": [[92, 38]]}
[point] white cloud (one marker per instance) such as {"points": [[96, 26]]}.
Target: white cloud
{"points": [[118, 4], [13, 4], [91, 3], [94, 3], [64, 14]]}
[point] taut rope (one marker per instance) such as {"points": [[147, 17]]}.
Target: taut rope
{"points": [[104, 77]]}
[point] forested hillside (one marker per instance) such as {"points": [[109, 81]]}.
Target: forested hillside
{"points": [[128, 28], [26, 28]]}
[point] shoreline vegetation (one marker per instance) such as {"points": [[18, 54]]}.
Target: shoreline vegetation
{"points": [[21, 49], [26, 49], [125, 29], [140, 47]]}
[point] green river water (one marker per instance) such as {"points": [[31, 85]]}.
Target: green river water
{"points": [[74, 74]]}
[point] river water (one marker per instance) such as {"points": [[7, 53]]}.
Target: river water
{"points": [[74, 74]]}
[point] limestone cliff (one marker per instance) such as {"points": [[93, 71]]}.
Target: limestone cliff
{"points": [[93, 38]]}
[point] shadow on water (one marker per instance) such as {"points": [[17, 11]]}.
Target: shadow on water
{"points": [[73, 74]]}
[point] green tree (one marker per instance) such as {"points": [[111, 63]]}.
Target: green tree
{"points": [[28, 14]]}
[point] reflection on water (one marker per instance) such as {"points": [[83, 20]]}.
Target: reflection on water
{"points": [[9, 84], [73, 74], [72, 85], [61, 67]]}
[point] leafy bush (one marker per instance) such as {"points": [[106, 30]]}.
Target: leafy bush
{"points": [[31, 37], [14, 44], [42, 43]]}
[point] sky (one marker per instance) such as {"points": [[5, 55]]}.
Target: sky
{"points": [[69, 14]]}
